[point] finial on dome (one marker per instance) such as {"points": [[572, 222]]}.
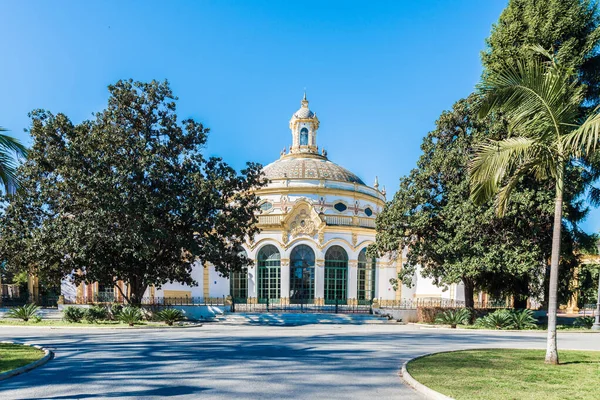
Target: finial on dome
{"points": [[376, 185], [304, 101], [383, 192]]}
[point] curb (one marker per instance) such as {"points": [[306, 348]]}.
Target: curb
{"points": [[48, 355], [429, 394], [122, 328]]}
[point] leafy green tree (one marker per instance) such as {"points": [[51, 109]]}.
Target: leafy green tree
{"points": [[127, 196], [10, 151], [542, 103], [450, 237], [570, 28]]}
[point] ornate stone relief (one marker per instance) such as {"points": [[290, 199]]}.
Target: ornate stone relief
{"points": [[354, 239], [321, 238], [302, 225]]}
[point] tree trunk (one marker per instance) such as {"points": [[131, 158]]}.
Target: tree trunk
{"points": [[469, 291], [551, 349], [138, 288]]}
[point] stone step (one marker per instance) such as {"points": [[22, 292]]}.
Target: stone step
{"points": [[298, 318]]}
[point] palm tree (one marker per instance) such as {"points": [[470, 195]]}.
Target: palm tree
{"points": [[542, 102], [10, 150]]}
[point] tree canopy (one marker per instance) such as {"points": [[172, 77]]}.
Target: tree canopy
{"points": [[452, 238], [127, 196]]}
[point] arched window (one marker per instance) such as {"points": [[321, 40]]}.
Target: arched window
{"points": [[303, 137], [238, 282], [302, 275], [336, 275], [366, 278], [269, 274]]}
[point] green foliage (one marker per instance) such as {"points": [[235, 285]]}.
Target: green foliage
{"points": [[460, 316], [523, 319], [95, 314], [114, 310], [568, 27], [10, 151], [73, 314], [130, 315], [26, 312], [584, 322], [170, 315], [499, 319], [128, 196], [508, 319]]}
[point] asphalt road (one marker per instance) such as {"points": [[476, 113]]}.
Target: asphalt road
{"points": [[244, 362]]}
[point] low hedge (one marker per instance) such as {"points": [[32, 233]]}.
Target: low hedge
{"points": [[428, 314]]}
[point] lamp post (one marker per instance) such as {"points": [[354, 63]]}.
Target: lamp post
{"points": [[596, 326]]}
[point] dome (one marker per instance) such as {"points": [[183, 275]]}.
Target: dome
{"points": [[304, 112], [309, 168]]}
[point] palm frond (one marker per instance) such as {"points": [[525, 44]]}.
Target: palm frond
{"points": [[584, 139], [594, 196], [532, 96], [492, 161]]}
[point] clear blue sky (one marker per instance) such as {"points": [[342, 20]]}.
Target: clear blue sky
{"points": [[378, 74]]}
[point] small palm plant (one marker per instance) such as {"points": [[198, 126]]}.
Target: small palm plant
{"points": [[170, 316], [130, 315], [460, 316], [26, 312], [523, 319], [499, 319]]}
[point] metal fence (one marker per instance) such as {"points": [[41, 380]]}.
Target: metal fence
{"points": [[151, 301], [412, 304], [300, 306], [50, 301]]}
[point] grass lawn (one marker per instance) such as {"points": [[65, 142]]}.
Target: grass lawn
{"points": [[52, 322], [15, 355], [510, 374]]}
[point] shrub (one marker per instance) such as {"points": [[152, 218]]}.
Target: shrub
{"points": [[73, 314], [95, 314], [170, 315], [454, 317], [26, 312], [130, 315], [428, 314], [113, 311], [584, 322], [523, 319], [499, 319]]}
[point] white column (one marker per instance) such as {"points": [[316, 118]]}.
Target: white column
{"points": [[352, 292], [285, 278], [253, 281], [319, 279]]}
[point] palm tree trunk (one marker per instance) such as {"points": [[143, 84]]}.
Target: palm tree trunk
{"points": [[551, 349]]}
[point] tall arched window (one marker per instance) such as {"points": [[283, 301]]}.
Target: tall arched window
{"points": [[336, 275], [269, 274], [238, 282], [366, 278], [302, 275], [303, 137]]}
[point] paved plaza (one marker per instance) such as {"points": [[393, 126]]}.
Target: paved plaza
{"points": [[244, 362]]}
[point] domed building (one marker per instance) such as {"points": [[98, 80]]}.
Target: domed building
{"points": [[316, 221]]}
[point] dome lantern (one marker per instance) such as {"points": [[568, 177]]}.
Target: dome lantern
{"points": [[304, 125]]}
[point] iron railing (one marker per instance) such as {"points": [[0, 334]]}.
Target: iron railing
{"points": [[411, 304], [47, 301], [153, 300], [300, 306]]}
